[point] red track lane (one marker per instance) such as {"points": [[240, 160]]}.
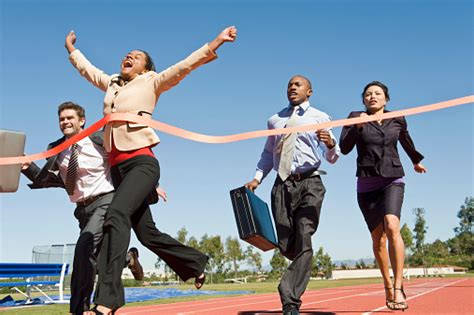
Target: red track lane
{"points": [[425, 296], [457, 298]]}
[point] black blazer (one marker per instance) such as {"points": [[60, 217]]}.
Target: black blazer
{"points": [[377, 153], [48, 175]]}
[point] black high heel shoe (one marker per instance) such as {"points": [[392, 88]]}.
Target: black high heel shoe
{"points": [[199, 282], [400, 306], [388, 303]]}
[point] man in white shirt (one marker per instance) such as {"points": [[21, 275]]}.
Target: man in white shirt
{"points": [[91, 190], [90, 186]]}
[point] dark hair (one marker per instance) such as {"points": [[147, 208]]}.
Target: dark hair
{"points": [[380, 85], [81, 112], [150, 66], [304, 78]]}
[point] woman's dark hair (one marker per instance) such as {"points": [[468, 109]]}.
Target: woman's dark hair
{"points": [[150, 66], [380, 85]]}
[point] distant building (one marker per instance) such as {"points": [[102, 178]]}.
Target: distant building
{"points": [[410, 272]]}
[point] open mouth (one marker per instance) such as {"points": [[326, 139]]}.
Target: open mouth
{"points": [[127, 63]]}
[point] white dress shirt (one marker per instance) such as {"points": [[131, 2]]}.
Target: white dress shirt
{"points": [[93, 174], [306, 156]]}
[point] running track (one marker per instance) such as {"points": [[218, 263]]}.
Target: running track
{"points": [[425, 296]]}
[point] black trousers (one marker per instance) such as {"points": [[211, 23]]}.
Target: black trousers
{"points": [[133, 180], [91, 221], [296, 206]]}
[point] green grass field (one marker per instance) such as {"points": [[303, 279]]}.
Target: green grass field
{"points": [[265, 287]]}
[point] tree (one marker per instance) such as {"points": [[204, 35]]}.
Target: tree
{"points": [[182, 233], [462, 244], [214, 249], [407, 236], [436, 253], [361, 264], [253, 258], [278, 263], [158, 263], [317, 267], [465, 215], [322, 264], [437, 249], [420, 232], [166, 269], [193, 242], [461, 247], [234, 253]]}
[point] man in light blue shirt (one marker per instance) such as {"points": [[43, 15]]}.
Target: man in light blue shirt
{"points": [[298, 191]]}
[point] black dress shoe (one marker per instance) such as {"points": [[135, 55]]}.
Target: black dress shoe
{"points": [[134, 264], [97, 312], [94, 309], [291, 311]]}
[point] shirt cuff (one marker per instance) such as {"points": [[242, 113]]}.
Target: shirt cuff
{"points": [[333, 154], [332, 151], [74, 53], [258, 176], [212, 55]]}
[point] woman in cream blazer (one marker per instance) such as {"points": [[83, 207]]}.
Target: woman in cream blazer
{"points": [[134, 168]]}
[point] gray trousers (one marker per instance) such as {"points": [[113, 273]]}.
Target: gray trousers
{"points": [[296, 206], [91, 221]]}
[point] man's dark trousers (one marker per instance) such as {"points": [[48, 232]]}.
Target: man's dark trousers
{"points": [[296, 207], [91, 221]]}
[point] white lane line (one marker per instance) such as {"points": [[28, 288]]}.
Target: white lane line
{"points": [[309, 293], [199, 302], [315, 293], [326, 291], [413, 297]]}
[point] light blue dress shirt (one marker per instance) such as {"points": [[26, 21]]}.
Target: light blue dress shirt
{"points": [[306, 156]]}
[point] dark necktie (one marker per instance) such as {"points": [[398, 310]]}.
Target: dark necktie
{"points": [[71, 174]]}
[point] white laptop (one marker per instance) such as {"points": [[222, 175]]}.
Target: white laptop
{"points": [[12, 143]]}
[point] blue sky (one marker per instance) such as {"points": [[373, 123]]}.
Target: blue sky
{"points": [[421, 49]]}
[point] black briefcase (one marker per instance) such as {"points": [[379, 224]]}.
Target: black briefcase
{"points": [[253, 219]]}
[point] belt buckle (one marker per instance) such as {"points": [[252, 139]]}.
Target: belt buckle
{"points": [[295, 177]]}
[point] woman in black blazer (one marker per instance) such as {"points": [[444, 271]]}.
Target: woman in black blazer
{"points": [[380, 186]]}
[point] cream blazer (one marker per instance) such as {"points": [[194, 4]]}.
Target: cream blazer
{"points": [[140, 94]]}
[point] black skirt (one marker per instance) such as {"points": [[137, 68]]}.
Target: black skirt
{"points": [[375, 205]]}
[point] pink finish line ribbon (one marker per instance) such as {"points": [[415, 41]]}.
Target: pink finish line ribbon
{"points": [[182, 133]]}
